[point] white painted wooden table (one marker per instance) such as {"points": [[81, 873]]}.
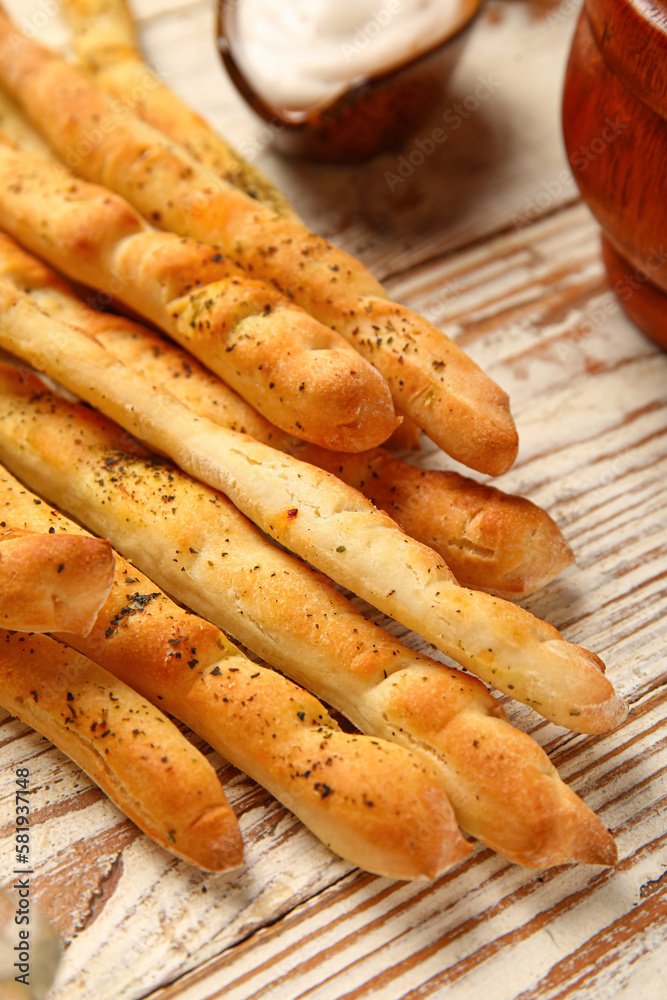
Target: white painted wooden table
{"points": [[489, 239]]}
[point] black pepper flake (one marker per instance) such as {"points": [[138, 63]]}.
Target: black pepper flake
{"points": [[301, 715], [192, 664], [216, 671], [70, 696], [323, 789], [61, 567]]}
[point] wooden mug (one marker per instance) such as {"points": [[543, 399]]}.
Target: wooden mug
{"points": [[615, 131]]}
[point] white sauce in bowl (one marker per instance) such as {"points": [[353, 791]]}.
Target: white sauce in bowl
{"points": [[300, 55]]}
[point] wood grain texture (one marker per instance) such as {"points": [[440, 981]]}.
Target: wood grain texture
{"points": [[487, 238]]}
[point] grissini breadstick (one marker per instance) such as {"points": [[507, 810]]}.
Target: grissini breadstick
{"points": [[16, 128], [300, 374], [329, 524], [106, 42], [438, 386], [489, 539], [504, 789], [126, 745], [106, 45], [51, 583], [371, 801]]}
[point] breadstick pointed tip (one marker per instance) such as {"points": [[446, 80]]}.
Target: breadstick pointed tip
{"points": [[588, 843], [604, 709], [218, 831], [580, 838], [603, 852], [531, 558]]}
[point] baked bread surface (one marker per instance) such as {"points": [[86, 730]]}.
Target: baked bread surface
{"points": [[126, 745], [438, 386], [49, 583], [204, 552], [490, 540]]}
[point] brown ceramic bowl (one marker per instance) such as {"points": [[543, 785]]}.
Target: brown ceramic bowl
{"points": [[615, 130], [375, 115]]}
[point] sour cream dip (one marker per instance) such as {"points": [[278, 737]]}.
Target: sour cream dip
{"points": [[301, 55]]}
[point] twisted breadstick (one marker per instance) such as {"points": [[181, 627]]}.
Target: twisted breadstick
{"points": [[502, 785], [489, 539], [257, 719], [106, 45], [105, 41], [438, 386], [330, 525], [127, 746], [52, 583], [298, 373]]}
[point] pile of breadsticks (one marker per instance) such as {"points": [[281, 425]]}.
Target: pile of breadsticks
{"points": [[280, 368]]}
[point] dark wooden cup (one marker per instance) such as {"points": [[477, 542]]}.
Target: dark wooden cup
{"points": [[615, 131]]}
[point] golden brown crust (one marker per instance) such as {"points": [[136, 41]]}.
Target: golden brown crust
{"points": [[52, 583], [254, 717], [332, 526], [128, 747], [489, 539], [379, 808], [300, 374], [431, 379], [16, 129], [548, 824], [203, 551], [106, 45]]}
